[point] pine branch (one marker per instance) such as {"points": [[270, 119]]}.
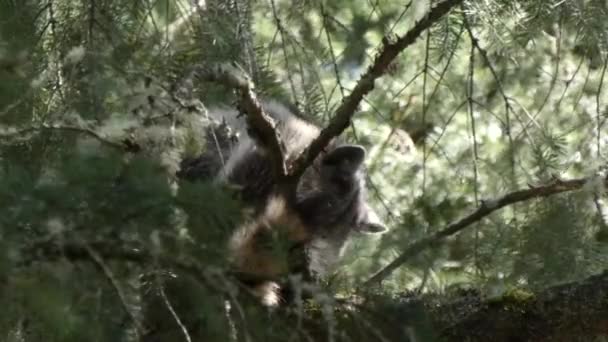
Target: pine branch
{"points": [[487, 207], [346, 110], [124, 146], [51, 250]]}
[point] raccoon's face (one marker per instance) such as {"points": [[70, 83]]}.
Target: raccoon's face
{"points": [[331, 202]]}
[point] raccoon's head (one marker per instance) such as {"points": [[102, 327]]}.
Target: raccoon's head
{"points": [[309, 235], [332, 203]]}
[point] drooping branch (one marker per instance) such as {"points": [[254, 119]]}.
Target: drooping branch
{"points": [[348, 107], [487, 207]]}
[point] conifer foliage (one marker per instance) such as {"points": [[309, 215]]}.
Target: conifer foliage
{"points": [[486, 137]]}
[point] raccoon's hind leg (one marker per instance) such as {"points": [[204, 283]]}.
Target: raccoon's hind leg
{"points": [[265, 248]]}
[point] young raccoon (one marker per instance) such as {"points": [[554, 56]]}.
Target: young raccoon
{"points": [[312, 229]]}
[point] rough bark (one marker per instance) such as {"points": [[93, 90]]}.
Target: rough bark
{"points": [[570, 312]]}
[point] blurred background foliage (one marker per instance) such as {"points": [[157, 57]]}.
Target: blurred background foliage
{"points": [[97, 110]]}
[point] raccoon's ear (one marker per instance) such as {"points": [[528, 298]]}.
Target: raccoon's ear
{"points": [[372, 224], [346, 157]]}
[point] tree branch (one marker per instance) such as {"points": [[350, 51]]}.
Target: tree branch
{"points": [[575, 311], [98, 259], [49, 250], [570, 312], [178, 320], [263, 125], [486, 208], [349, 105], [124, 146]]}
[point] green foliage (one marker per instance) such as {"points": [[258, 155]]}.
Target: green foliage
{"points": [[97, 110]]}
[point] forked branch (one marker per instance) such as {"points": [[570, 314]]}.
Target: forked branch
{"points": [[264, 126], [348, 107]]}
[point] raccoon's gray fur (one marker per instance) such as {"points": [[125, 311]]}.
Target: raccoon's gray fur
{"points": [[329, 205]]}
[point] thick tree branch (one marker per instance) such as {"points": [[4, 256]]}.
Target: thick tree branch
{"points": [[570, 312], [346, 110], [486, 208], [576, 311]]}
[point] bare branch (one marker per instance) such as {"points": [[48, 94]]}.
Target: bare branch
{"points": [[598, 110], [179, 322], [486, 208], [349, 105]]}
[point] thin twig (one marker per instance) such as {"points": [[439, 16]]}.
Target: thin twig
{"points": [[558, 59], [599, 110], [334, 60], [179, 322], [425, 107], [98, 259], [508, 107], [284, 48], [475, 154]]}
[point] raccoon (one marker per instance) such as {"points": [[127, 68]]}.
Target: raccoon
{"points": [[312, 228]]}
